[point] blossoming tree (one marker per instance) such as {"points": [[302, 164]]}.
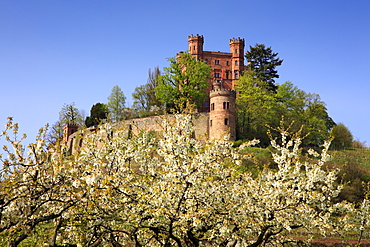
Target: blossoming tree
{"points": [[164, 189]]}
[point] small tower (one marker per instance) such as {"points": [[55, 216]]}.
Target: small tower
{"points": [[68, 130], [222, 112], [237, 60], [196, 46]]}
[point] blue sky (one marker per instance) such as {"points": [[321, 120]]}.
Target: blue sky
{"points": [[64, 51]]}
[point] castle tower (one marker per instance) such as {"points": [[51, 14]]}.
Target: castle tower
{"points": [[68, 130], [195, 43], [222, 112], [237, 60]]}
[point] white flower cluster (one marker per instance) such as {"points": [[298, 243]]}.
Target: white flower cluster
{"points": [[167, 189]]}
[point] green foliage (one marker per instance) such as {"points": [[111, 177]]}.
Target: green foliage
{"points": [[256, 108], [116, 104], [184, 83], [98, 112], [342, 137], [259, 109], [255, 160], [355, 170], [145, 100], [264, 62]]}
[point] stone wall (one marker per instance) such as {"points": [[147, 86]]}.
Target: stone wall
{"points": [[138, 125]]}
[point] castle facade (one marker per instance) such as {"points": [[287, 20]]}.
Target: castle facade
{"points": [[226, 69], [216, 118]]}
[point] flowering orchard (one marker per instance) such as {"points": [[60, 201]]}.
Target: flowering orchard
{"points": [[166, 189]]}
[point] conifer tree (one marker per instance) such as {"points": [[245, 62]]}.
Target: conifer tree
{"points": [[264, 61]]}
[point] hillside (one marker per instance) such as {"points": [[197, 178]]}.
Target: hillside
{"points": [[354, 165]]}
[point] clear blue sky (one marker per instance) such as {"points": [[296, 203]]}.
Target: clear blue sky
{"points": [[64, 51]]}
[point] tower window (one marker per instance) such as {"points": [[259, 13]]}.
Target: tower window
{"points": [[227, 63], [210, 123], [195, 48], [217, 75], [226, 105], [236, 63], [217, 62], [212, 106], [226, 121], [236, 74]]}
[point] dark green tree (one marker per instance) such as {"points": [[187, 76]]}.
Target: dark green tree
{"points": [[264, 61], [116, 104], [184, 83], [342, 137], [98, 112]]}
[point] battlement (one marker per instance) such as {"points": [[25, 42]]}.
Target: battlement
{"points": [[195, 37], [236, 41], [223, 92]]}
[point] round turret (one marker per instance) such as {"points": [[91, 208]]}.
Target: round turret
{"points": [[222, 112]]}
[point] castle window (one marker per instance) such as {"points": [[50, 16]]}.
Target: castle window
{"points": [[227, 74], [210, 123], [226, 105], [217, 62], [227, 63], [195, 48], [226, 121], [212, 106], [236, 62], [236, 51], [217, 75], [236, 74]]}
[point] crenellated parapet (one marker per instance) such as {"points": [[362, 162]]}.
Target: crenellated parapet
{"points": [[196, 37], [223, 92], [236, 41]]}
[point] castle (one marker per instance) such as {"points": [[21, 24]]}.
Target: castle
{"points": [[226, 69], [216, 117]]}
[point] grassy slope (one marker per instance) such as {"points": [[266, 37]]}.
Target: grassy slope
{"points": [[354, 165]]}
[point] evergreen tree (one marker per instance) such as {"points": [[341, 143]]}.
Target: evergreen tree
{"points": [[98, 112], [263, 61]]}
